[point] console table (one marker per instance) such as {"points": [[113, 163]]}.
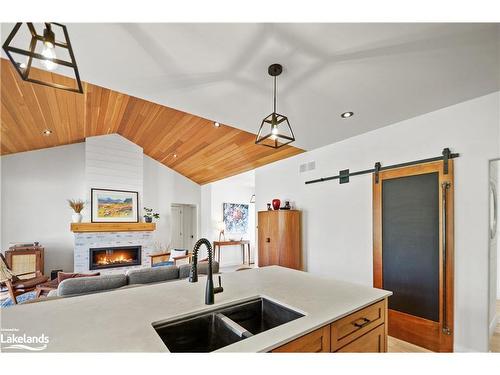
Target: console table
{"points": [[245, 245]]}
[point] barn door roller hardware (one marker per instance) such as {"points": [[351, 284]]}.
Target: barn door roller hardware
{"points": [[344, 174]]}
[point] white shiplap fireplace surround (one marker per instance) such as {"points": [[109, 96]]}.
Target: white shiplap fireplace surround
{"points": [[112, 162]]}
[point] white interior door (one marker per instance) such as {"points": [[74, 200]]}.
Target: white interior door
{"points": [[189, 225], [177, 227]]}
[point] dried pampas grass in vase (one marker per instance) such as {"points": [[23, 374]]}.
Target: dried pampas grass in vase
{"points": [[77, 205]]}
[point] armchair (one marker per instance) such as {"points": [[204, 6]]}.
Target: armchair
{"points": [[175, 257], [15, 285]]}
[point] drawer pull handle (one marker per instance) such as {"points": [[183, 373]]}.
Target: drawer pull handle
{"points": [[361, 325]]}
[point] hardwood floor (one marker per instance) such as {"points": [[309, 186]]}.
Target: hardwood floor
{"points": [[495, 339], [395, 345]]}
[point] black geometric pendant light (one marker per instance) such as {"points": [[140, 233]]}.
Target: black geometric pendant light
{"points": [[275, 130], [45, 47]]}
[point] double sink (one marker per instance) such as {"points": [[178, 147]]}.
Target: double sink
{"points": [[215, 329]]}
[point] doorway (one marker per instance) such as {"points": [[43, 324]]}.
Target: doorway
{"points": [[184, 225], [413, 251], [494, 259]]}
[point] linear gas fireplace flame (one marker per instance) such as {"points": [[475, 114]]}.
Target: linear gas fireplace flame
{"points": [[111, 257]]}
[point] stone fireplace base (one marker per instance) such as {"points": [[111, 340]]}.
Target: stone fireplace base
{"points": [[86, 240]]}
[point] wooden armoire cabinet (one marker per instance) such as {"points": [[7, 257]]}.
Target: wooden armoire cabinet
{"points": [[279, 238]]}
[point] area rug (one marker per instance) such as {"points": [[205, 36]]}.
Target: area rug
{"points": [[7, 302]]}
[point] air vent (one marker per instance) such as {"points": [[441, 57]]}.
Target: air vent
{"points": [[309, 166]]}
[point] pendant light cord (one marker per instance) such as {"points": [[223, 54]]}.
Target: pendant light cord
{"points": [[274, 94]]}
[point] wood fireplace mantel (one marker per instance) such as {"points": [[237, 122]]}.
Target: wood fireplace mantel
{"points": [[112, 227]]}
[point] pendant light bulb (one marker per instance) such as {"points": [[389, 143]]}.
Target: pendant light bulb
{"points": [[49, 42], [274, 130], [50, 54]]}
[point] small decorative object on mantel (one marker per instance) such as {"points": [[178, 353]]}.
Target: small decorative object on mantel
{"points": [[149, 215], [276, 204], [269, 207], [77, 205], [286, 206], [114, 206]]}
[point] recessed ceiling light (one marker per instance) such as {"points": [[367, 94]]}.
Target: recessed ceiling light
{"points": [[174, 155], [47, 132], [216, 124], [347, 114]]}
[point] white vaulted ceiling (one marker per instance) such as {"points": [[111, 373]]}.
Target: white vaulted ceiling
{"points": [[383, 72]]}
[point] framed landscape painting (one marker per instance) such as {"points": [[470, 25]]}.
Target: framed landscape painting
{"points": [[114, 206], [235, 216]]}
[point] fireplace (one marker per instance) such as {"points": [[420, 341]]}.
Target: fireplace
{"points": [[111, 257]]}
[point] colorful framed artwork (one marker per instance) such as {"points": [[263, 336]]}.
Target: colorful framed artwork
{"points": [[114, 206], [235, 216]]}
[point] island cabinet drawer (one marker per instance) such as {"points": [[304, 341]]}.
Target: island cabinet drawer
{"points": [[353, 326], [314, 342], [371, 342]]}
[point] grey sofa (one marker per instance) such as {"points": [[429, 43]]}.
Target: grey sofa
{"points": [[133, 278]]}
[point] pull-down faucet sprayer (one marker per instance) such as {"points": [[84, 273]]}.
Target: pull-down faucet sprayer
{"points": [[210, 291]]}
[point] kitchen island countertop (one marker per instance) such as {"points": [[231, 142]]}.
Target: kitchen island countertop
{"points": [[121, 320]]}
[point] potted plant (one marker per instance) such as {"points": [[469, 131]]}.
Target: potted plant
{"points": [[149, 215], [77, 205]]}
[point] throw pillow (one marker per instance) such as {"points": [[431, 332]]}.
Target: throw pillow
{"points": [[67, 275]]}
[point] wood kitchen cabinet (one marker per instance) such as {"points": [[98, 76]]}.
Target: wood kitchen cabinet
{"points": [[315, 342], [364, 331], [279, 238]]}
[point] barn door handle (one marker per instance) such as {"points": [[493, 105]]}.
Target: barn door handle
{"points": [[445, 186], [268, 239]]}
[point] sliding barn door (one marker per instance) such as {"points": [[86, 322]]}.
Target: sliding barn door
{"points": [[413, 251]]}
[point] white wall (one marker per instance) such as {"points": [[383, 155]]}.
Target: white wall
{"points": [[493, 245], [113, 162], [497, 271], [35, 186], [236, 189], [498, 201], [337, 219], [162, 187]]}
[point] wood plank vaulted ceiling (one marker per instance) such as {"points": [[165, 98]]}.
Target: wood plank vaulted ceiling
{"points": [[204, 153]]}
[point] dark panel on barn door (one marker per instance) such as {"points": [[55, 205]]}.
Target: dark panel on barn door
{"points": [[410, 240]]}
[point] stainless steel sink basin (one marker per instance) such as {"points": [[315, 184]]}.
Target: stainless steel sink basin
{"points": [[212, 330]]}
